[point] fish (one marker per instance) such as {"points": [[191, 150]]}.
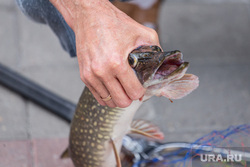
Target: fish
{"points": [[97, 131]]}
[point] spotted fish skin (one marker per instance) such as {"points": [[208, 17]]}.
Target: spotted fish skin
{"points": [[91, 130]]}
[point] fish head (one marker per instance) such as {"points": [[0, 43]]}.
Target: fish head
{"points": [[162, 73]]}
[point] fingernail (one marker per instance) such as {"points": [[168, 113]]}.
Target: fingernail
{"points": [[141, 98]]}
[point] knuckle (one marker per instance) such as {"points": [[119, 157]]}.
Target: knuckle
{"points": [[151, 34], [154, 35], [135, 95], [98, 69], [86, 76], [124, 103], [83, 78], [116, 64]]}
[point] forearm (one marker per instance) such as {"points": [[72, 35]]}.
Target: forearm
{"points": [[75, 9]]}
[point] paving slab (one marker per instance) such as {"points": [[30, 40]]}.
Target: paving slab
{"points": [[7, 3], [34, 153], [47, 153], [13, 116], [207, 34], [9, 45], [46, 125], [61, 80], [184, 136], [16, 154], [39, 45]]}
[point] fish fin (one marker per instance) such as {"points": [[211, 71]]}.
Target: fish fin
{"points": [[180, 87], [117, 157], [147, 129], [65, 154]]}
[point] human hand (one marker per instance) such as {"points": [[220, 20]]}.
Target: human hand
{"points": [[104, 38]]}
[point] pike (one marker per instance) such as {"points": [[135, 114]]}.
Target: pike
{"points": [[97, 131]]}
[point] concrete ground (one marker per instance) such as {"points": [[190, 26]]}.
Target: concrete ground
{"points": [[214, 36]]}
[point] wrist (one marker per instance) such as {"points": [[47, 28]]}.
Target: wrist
{"points": [[72, 9]]}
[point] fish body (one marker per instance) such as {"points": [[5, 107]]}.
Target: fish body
{"points": [[96, 131], [92, 128]]}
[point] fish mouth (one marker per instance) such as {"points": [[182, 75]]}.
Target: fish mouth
{"points": [[172, 63]]}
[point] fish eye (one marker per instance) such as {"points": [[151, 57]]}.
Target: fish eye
{"points": [[132, 59]]}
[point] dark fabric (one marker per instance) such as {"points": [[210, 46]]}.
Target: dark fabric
{"points": [[43, 11]]}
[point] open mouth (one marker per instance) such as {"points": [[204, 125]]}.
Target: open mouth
{"points": [[169, 65]]}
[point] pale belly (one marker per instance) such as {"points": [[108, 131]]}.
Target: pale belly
{"points": [[121, 128]]}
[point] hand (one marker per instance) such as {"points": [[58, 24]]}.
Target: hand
{"points": [[104, 38]]}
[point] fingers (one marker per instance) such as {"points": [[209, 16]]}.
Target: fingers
{"points": [[101, 88], [123, 87], [103, 93], [98, 90], [117, 93], [96, 95], [130, 83]]}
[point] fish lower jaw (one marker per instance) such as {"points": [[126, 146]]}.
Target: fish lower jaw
{"points": [[169, 65]]}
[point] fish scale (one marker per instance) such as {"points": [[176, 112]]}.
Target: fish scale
{"points": [[91, 129]]}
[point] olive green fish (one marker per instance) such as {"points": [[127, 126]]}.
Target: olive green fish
{"points": [[97, 131]]}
